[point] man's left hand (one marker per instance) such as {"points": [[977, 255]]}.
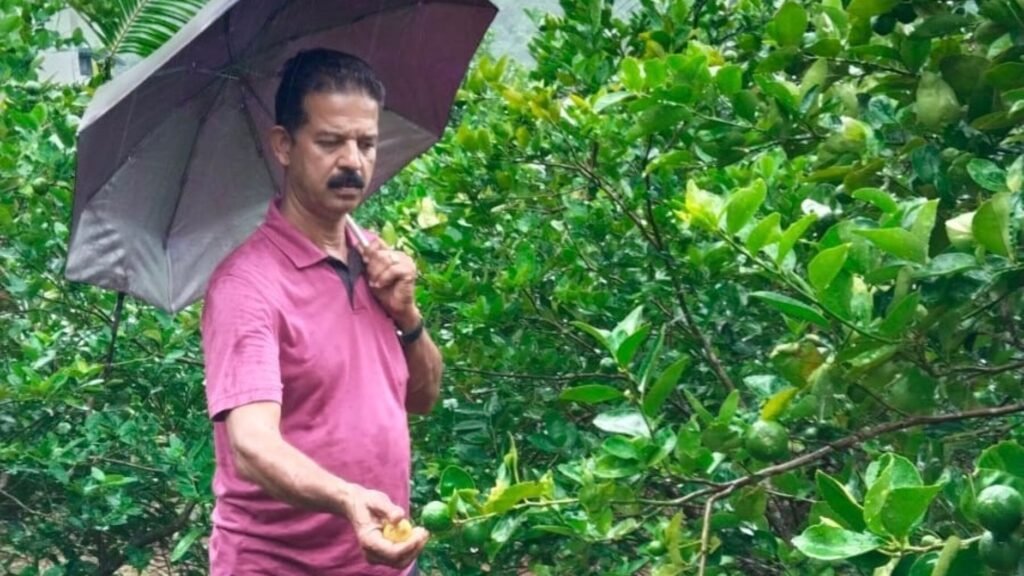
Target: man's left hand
{"points": [[392, 278]]}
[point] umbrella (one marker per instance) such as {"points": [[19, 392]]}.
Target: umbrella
{"points": [[172, 171]]}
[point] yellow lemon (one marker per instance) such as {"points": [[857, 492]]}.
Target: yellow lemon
{"points": [[399, 532]]}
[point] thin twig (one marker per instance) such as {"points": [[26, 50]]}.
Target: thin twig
{"points": [[881, 402], [114, 325], [705, 531], [20, 504], [987, 370]]}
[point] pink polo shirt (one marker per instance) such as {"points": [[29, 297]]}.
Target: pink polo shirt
{"points": [[278, 325]]}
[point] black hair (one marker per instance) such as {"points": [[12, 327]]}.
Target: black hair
{"points": [[321, 70]]}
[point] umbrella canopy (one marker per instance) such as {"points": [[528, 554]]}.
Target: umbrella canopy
{"points": [[174, 169]]}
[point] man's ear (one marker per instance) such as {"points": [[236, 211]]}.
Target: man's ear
{"points": [[281, 143]]}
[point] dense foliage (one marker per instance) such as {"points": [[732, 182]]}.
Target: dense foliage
{"points": [[723, 288]]}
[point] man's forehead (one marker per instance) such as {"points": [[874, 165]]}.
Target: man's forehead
{"points": [[334, 113]]}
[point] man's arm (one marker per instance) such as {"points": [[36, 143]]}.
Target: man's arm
{"points": [[263, 457], [392, 277], [425, 368]]}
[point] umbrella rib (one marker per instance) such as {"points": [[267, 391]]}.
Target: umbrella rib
{"points": [[184, 174], [258, 142], [188, 162]]}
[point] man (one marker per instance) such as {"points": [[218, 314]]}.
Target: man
{"points": [[315, 351]]}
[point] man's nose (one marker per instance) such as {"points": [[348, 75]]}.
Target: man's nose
{"points": [[348, 155]]}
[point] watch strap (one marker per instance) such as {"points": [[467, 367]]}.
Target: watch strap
{"points": [[411, 335]]}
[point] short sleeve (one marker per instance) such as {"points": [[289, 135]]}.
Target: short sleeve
{"points": [[240, 347]]}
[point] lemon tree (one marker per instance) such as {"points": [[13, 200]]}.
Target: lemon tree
{"points": [[685, 227]]}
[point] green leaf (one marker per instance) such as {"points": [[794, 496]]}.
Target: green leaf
{"points": [[591, 394], [987, 175], [841, 502], [991, 225], [827, 542], [1006, 456], [790, 24], [941, 25], [824, 267], [906, 506], [947, 265], [609, 100], [673, 537], [454, 478], [729, 79], [766, 232], [699, 408], [900, 243], [608, 466], [655, 73], [1015, 175], [729, 406], [869, 8], [880, 198], [925, 221], [663, 387], [703, 208], [792, 308], [631, 323], [632, 77], [621, 447], [914, 52], [777, 404], [664, 444], [874, 500], [596, 333], [186, 542], [651, 360], [792, 234], [1006, 76], [506, 499], [896, 472], [139, 26], [627, 350], [505, 528], [750, 503], [743, 204], [901, 313], [9, 24], [626, 421]]}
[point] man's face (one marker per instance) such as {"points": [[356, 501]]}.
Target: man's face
{"points": [[330, 158]]}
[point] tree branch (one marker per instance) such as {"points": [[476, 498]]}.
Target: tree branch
{"points": [[847, 442], [113, 563], [551, 378]]}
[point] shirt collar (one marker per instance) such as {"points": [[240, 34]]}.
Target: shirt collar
{"points": [[302, 252]]}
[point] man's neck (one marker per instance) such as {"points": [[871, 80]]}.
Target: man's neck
{"points": [[326, 233]]}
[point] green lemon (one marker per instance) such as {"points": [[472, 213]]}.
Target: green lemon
{"points": [[905, 13], [1000, 554], [767, 441], [1000, 509], [884, 24], [654, 548], [435, 517], [476, 533]]}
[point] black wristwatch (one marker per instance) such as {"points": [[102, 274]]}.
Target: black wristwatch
{"points": [[411, 335]]}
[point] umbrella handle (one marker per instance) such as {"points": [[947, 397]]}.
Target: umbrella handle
{"points": [[356, 231]]}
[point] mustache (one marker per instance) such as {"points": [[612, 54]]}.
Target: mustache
{"points": [[346, 179]]}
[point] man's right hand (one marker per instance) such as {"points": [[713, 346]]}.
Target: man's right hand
{"points": [[368, 511]]}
